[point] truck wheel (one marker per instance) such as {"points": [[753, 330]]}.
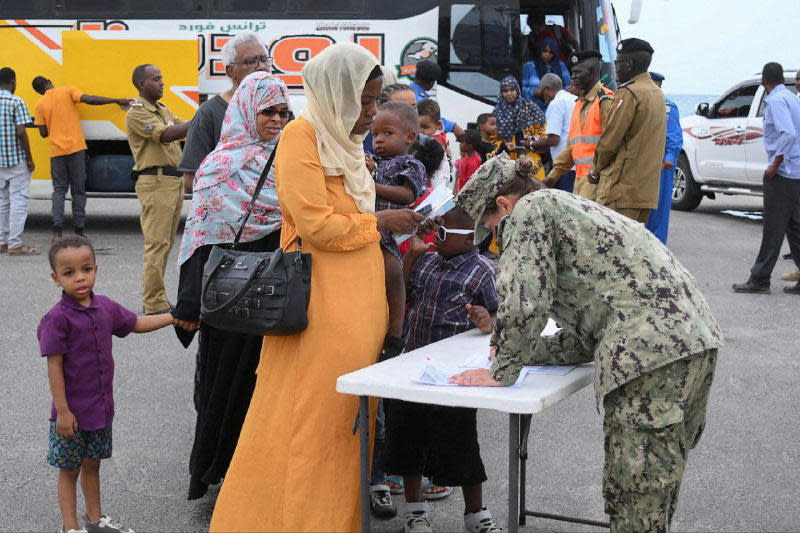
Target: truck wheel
{"points": [[686, 195]]}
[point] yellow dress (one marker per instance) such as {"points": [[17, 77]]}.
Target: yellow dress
{"points": [[534, 130], [296, 466]]}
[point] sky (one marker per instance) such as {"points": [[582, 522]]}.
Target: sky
{"points": [[706, 46]]}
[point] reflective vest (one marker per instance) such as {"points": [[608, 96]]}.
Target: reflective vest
{"points": [[583, 139]]}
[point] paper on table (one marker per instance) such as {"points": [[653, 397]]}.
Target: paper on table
{"points": [[436, 373]]}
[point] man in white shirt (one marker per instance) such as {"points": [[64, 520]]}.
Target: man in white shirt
{"points": [[559, 112]]}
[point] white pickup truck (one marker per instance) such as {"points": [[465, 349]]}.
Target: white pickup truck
{"points": [[723, 146]]}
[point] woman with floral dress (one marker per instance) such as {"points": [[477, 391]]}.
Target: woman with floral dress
{"points": [[225, 375]]}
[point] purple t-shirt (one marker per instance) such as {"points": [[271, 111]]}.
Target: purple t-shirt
{"points": [[83, 336]]}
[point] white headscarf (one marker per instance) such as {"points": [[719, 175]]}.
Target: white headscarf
{"points": [[333, 83]]}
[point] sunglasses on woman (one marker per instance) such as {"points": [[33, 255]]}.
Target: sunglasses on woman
{"points": [[441, 232], [270, 112]]}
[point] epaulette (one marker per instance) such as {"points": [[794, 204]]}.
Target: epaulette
{"points": [[601, 94], [631, 82]]}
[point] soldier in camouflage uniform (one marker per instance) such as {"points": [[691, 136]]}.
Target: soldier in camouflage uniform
{"points": [[624, 302]]}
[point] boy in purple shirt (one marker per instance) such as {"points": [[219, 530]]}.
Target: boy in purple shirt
{"points": [[449, 292], [75, 336]]}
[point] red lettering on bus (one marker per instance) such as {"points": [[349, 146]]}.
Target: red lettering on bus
{"points": [[291, 53], [374, 42]]}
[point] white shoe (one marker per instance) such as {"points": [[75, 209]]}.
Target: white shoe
{"points": [[480, 522], [416, 518], [81, 530]]}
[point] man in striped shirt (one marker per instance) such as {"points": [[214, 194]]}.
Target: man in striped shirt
{"points": [[16, 165]]}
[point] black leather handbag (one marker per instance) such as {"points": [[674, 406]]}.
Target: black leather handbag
{"points": [[259, 293]]}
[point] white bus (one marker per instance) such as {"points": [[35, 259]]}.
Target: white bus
{"points": [[94, 45]]}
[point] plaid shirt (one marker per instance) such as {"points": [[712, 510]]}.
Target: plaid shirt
{"points": [[438, 291], [13, 112]]}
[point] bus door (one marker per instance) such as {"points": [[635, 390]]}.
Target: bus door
{"points": [[479, 44]]}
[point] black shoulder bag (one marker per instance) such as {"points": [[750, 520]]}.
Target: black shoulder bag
{"points": [[259, 293]]}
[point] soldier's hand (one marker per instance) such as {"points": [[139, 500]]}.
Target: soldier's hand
{"points": [[593, 178], [492, 352], [480, 316], [479, 377], [667, 165]]}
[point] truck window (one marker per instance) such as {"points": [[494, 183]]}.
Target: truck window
{"points": [[737, 103], [789, 86]]}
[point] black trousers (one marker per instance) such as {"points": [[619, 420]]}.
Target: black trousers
{"points": [[781, 218], [69, 174]]}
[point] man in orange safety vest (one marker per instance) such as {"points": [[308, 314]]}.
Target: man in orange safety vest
{"points": [[588, 121]]}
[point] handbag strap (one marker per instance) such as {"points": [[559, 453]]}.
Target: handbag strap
{"points": [[259, 186]]}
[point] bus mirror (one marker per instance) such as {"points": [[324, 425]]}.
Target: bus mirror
{"points": [[702, 109]]}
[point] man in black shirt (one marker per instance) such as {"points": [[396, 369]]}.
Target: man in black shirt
{"points": [[242, 55]]}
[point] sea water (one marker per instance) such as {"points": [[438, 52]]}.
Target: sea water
{"points": [[687, 103]]}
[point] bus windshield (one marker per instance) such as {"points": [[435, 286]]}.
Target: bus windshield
{"points": [[481, 42]]}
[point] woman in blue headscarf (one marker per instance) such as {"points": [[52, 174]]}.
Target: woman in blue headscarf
{"points": [[519, 120], [545, 61]]}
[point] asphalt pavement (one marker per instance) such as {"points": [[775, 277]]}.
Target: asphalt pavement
{"points": [[743, 476]]}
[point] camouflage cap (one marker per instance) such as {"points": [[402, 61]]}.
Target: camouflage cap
{"points": [[481, 189]]}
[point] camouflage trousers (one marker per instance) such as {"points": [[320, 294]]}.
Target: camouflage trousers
{"points": [[650, 425]]}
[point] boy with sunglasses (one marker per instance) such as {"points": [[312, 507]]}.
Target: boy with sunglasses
{"points": [[449, 291]]}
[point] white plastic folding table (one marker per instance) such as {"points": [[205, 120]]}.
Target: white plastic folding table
{"points": [[394, 379]]}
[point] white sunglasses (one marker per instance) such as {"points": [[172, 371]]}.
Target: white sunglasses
{"points": [[441, 232]]}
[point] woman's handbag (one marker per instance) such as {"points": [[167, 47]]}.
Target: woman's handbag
{"points": [[259, 293]]}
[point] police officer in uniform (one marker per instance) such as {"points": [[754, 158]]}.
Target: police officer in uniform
{"points": [[639, 317], [658, 222], [153, 134], [595, 103], [630, 153]]}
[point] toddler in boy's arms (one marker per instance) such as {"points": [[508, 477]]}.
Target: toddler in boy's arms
{"points": [[75, 336], [399, 180]]}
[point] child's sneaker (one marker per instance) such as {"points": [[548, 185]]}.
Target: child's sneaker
{"points": [[416, 518], [380, 502], [81, 530], [480, 522], [105, 525]]}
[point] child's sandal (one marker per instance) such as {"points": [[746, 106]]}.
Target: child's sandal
{"points": [[435, 492], [396, 485]]}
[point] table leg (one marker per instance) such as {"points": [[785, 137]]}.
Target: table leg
{"points": [[513, 473], [363, 429], [524, 430]]}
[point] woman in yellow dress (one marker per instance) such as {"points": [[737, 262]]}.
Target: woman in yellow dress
{"points": [[518, 119], [296, 466]]}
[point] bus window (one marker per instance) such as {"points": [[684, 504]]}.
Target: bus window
{"points": [[237, 8], [399, 10], [145, 8], [14, 9], [483, 46], [90, 8], [340, 7]]}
